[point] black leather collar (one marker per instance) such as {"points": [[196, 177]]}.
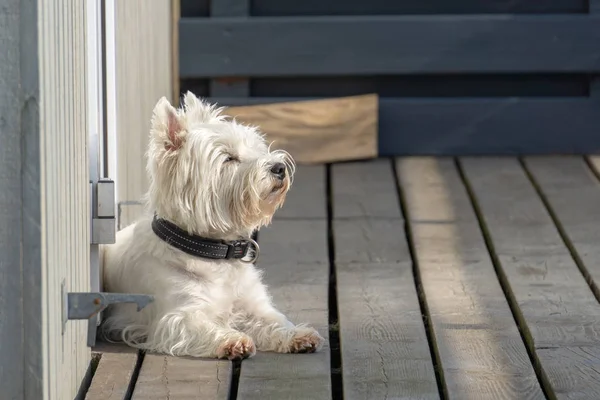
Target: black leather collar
{"points": [[203, 247]]}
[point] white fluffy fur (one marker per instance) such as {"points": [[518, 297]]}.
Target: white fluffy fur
{"points": [[211, 176]]}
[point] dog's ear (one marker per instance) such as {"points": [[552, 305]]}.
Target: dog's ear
{"points": [[168, 125]]}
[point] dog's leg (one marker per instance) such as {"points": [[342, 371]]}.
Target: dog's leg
{"points": [[271, 333], [196, 335], [269, 328]]}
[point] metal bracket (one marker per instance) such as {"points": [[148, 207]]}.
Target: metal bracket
{"points": [[103, 214], [86, 305]]}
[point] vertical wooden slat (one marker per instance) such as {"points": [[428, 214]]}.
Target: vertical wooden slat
{"points": [[175, 15], [65, 221], [53, 281], [67, 203], [59, 261], [143, 75], [95, 123], [224, 87]]}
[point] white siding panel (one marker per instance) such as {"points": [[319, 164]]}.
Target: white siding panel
{"points": [[65, 190], [143, 68]]}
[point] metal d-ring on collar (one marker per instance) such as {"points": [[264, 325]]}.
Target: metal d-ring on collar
{"points": [[256, 252], [199, 246]]}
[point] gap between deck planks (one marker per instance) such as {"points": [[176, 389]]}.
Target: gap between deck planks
{"points": [[116, 367], [479, 347], [557, 311], [385, 353], [384, 345], [571, 189], [295, 260]]}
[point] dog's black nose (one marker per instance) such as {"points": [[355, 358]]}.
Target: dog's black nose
{"points": [[278, 169]]}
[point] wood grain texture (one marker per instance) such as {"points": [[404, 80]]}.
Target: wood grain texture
{"points": [[174, 26], [479, 126], [292, 46], [385, 353], [113, 374], [64, 228], [573, 193], [363, 190], [586, 363], [318, 131], [144, 74], [165, 377], [294, 258], [480, 349], [307, 197], [556, 308]]}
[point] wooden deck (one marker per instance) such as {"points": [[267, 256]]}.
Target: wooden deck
{"points": [[432, 278]]}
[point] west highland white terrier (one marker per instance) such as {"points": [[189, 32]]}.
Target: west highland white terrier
{"points": [[213, 182]]}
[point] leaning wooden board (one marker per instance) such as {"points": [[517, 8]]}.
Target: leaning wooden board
{"points": [[478, 343], [385, 354], [556, 309], [318, 131], [294, 258]]}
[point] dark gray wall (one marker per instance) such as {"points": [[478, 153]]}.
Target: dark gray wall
{"points": [[454, 77], [20, 238]]}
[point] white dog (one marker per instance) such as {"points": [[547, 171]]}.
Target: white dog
{"points": [[213, 181]]}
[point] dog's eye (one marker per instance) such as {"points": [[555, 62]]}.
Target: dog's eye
{"points": [[230, 158]]}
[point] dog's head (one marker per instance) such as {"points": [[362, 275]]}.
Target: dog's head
{"points": [[210, 174]]}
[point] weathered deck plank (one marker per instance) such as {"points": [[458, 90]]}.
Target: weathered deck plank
{"points": [[383, 341], [573, 193], [113, 375], [365, 189], [165, 377], [295, 260], [385, 353], [557, 310], [478, 343], [306, 198]]}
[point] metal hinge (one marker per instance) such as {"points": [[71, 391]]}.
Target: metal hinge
{"points": [[86, 305], [103, 213]]}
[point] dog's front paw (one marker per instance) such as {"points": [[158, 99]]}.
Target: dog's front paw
{"points": [[237, 348], [306, 340]]}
